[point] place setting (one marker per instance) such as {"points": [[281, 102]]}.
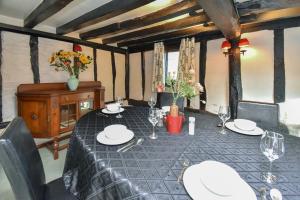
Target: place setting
{"points": [[242, 126], [113, 108], [213, 180]]}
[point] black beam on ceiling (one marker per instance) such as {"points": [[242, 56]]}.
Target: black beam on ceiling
{"points": [[104, 12], [28, 31], [44, 10]]}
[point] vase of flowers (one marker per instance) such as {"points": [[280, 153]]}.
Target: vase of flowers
{"points": [[72, 62], [181, 88]]}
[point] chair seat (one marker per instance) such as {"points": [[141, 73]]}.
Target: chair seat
{"points": [[55, 190]]}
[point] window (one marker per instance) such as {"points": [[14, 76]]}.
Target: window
{"points": [[171, 64]]}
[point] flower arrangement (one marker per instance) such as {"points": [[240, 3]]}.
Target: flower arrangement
{"points": [[71, 61], [182, 88]]}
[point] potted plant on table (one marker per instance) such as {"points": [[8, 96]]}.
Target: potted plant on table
{"points": [[72, 62], [179, 88]]}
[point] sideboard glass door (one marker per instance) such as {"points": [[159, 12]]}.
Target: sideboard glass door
{"points": [[67, 116]]}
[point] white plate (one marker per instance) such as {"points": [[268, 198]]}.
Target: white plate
{"points": [[244, 124], [197, 191], [256, 131], [114, 131], [104, 110], [125, 136], [210, 171]]}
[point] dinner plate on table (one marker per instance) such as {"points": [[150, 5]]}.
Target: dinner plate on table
{"points": [[106, 111], [111, 138], [212, 180], [256, 131]]}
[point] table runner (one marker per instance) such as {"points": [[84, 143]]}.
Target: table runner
{"points": [[150, 171]]}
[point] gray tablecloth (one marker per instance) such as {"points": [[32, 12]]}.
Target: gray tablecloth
{"points": [[150, 171]]}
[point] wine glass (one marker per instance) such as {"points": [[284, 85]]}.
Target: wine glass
{"points": [[272, 146], [152, 101], [224, 115], [153, 119], [120, 103]]}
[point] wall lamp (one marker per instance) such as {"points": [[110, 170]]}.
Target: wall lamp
{"points": [[244, 42]]}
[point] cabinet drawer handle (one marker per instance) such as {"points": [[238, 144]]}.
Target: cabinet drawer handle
{"points": [[34, 116], [88, 96]]}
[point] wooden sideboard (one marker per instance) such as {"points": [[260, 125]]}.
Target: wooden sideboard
{"points": [[50, 109]]}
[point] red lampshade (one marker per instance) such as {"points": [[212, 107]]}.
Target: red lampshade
{"points": [[77, 48], [244, 42], [226, 45]]}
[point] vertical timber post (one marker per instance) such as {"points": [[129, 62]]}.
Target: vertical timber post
{"points": [[202, 72], [235, 82], [279, 67]]}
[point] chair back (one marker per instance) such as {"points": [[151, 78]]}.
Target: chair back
{"points": [[166, 99], [265, 114], [21, 161]]}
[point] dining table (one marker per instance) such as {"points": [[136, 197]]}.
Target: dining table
{"points": [[150, 170]]}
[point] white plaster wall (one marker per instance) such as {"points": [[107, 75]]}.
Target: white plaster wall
{"points": [[195, 101], [120, 75], [290, 108], [104, 73], [216, 79], [148, 74], [15, 69], [87, 75], [257, 67], [47, 72], [135, 80]]}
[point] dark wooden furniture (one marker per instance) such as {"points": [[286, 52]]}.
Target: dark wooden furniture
{"points": [[50, 109]]}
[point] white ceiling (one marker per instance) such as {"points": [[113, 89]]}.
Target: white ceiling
{"points": [[20, 9]]}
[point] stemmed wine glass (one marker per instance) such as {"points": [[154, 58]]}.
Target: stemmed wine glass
{"points": [[152, 101], [224, 115], [153, 118], [272, 146], [120, 103]]}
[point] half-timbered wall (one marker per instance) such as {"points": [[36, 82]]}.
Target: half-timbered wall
{"points": [[16, 68]]}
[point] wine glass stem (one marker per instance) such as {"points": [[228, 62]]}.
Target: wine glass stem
{"points": [[153, 130], [270, 167]]}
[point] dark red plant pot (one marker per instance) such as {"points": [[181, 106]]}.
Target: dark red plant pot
{"points": [[174, 124]]}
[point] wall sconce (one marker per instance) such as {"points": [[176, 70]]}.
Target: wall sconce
{"points": [[244, 42]]}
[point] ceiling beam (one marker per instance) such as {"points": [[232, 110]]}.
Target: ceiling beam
{"points": [[29, 31], [169, 12], [171, 35], [107, 11], [259, 6], [164, 28], [223, 15], [44, 10]]}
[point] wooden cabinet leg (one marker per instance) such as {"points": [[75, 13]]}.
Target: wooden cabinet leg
{"points": [[55, 147]]}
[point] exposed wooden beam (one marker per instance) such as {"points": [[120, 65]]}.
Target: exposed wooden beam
{"points": [[95, 64], [279, 69], [202, 72], [167, 27], [208, 35], [235, 82], [29, 31], [143, 72], [223, 15], [1, 85], [270, 25], [259, 6], [114, 73], [44, 10], [199, 29], [169, 12], [107, 11], [34, 58], [127, 75]]}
